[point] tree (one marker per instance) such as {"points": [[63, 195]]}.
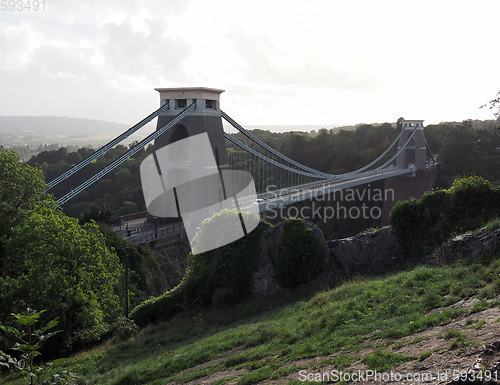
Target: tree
{"points": [[94, 212], [55, 264], [494, 104], [457, 150], [467, 124], [21, 187]]}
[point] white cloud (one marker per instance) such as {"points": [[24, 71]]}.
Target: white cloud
{"points": [[340, 62], [18, 44], [149, 55]]}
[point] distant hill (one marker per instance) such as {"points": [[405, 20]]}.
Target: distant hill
{"points": [[36, 130], [296, 127]]}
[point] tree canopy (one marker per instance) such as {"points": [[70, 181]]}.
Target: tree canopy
{"points": [[49, 261], [494, 104]]}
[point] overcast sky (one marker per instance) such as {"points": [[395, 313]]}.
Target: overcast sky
{"points": [[319, 62]]}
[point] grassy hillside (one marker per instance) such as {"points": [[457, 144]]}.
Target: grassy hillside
{"points": [[365, 324]]}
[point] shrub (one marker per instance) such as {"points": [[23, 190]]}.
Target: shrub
{"points": [[159, 308], [124, 329], [219, 277], [473, 202], [29, 340], [231, 266], [493, 225], [468, 204], [299, 256]]}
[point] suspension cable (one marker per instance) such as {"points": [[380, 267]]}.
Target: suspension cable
{"points": [[268, 160], [105, 148], [126, 156], [283, 157]]}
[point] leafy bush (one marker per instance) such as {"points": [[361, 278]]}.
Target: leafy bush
{"points": [[473, 202], [159, 308], [421, 224], [413, 220], [299, 256], [63, 267], [231, 266], [123, 329], [493, 225], [219, 277], [29, 343]]}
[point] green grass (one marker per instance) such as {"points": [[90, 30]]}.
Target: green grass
{"points": [[265, 338], [381, 360], [449, 334], [493, 225], [425, 355]]}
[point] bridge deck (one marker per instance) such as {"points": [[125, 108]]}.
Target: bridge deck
{"points": [[138, 230]]}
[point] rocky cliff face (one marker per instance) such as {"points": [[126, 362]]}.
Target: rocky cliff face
{"points": [[366, 254], [363, 254], [465, 246]]}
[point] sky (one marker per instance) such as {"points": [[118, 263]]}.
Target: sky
{"points": [[280, 62]]}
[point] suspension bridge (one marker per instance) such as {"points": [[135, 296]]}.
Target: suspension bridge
{"points": [[279, 180]]}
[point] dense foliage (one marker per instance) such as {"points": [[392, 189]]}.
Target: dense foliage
{"points": [[145, 278], [219, 277], [299, 257], [49, 261], [120, 190], [421, 224], [29, 338], [21, 187], [464, 149], [461, 148], [58, 265]]}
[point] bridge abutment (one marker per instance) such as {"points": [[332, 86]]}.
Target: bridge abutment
{"points": [[405, 187]]}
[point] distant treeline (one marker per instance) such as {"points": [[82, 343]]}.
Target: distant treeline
{"points": [[461, 148]]}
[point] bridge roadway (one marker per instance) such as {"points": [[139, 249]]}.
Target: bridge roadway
{"points": [[279, 198], [140, 231]]}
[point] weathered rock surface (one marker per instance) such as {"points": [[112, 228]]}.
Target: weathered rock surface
{"points": [[265, 282], [367, 253], [465, 246], [363, 254]]}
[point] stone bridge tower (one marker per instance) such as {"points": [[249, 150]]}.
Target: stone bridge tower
{"points": [[416, 152], [205, 118], [411, 185]]}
